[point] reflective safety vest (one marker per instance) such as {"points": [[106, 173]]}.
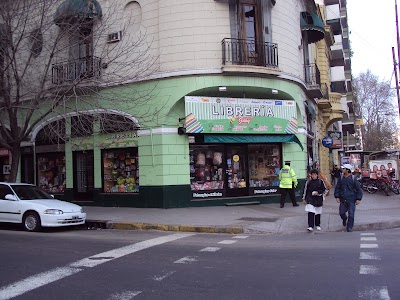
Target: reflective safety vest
{"points": [[287, 177]]}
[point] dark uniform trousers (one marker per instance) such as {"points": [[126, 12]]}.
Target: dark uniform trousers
{"points": [[292, 196]]}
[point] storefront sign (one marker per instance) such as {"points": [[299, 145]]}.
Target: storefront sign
{"points": [[207, 194], [4, 152], [234, 115], [264, 191], [105, 141], [236, 158], [122, 135], [336, 139]]}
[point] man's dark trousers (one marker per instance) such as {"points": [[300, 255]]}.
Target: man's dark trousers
{"points": [[292, 196]]}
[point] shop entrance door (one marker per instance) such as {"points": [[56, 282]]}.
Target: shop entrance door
{"points": [[83, 176], [236, 171]]}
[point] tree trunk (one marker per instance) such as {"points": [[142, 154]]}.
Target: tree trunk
{"points": [[15, 157]]}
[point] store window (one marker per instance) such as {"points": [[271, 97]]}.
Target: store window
{"points": [[121, 171], [51, 172], [206, 170], [264, 165]]}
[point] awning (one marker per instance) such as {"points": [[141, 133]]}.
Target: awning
{"points": [[313, 25], [311, 111], [75, 10], [251, 138]]}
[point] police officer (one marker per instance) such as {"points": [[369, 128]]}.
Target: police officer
{"points": [[288, 182]]}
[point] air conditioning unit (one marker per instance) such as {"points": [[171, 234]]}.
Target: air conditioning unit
{"points": [[114, 37]]}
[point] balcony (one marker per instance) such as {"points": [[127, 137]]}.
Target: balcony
{"points": [[79, 69], [312, 78], [249, 53]]}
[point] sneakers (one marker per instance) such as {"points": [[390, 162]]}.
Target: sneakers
{"points": [[349, 229], [318, 228], [310, 229], [282, 205], [296, 204], [344, 222]]}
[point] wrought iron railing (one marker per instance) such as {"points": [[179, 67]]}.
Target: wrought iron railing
{"points": [[249, 52], [82, 68], [312, 76]]}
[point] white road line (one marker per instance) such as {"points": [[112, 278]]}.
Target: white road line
{"points": [[240, 237], [161, 277], [124, 295], [210, 249], [370, 246], [186, 260], [368, 238], [370, 255], [33, 282], [227, 242], [369, 270], [380, 293], [20, 287], [367, 233], [119, 252]]}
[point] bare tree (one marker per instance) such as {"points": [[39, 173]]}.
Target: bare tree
{"points": [[374, 104], [59, 62]]}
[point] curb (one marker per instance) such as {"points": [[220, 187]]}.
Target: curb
{"points": [[161, 227]]}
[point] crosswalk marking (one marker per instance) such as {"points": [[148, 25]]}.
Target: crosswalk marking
{"points": [[33, 282], [375, 293], [369, 255], [227, 242], [368, 238], [161, 277], [124, 295], [240, 237], [210, 249], [370, 246], [369, 270], [186, 260], [367, 233]]}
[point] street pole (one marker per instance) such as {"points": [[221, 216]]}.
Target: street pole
{"points": [[396, 78], [398, 36]]}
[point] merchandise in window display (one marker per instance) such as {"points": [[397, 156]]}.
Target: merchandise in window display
{"points": [[264, 162], [121, 171], [206, 170], [51, 173]]}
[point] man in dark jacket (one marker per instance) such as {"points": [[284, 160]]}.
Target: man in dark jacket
{"points": [[348, 193]]}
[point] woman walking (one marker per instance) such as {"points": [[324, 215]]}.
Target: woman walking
{"points": [[313, 198]]}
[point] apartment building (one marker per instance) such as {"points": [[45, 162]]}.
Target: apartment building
{"points": [[228, 90]]}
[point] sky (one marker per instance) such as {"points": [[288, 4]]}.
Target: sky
{"points": [[372, 27]]}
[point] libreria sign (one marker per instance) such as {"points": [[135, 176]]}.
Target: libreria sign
{"points": [[240, 115]]}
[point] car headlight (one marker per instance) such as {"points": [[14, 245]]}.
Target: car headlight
{"points": [[82, 211], [53, 212]]}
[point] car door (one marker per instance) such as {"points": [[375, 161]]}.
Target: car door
{"points": [[9, 209]]}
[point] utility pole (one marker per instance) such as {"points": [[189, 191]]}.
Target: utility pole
{"points": [[398, 36], [396, 78]]}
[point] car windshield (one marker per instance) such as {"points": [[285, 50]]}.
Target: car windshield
{"points": [[30, 192]]}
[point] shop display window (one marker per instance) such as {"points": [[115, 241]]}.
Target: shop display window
{"points": [[121, 171], [206, 168], [264, 165], [51, 172]]}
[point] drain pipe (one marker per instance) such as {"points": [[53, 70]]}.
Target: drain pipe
{"points": [[152, 146]]}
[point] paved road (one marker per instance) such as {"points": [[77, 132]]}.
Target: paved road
{"points": [[115, 265]]}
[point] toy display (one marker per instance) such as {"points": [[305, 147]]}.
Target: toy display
{"points": [[121, 171], [51, 172], [206, 170], [264, 162]]}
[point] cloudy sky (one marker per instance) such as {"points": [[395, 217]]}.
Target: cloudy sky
{"points": [[373, 34]]}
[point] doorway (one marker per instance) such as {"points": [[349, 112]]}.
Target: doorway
{"points": [[236, 171], [83, 175]]}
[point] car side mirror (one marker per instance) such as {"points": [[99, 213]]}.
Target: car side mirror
{"points": [[52, 196], [10, 197]]}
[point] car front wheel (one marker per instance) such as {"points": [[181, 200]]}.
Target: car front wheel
{"points": [[31, 222]]}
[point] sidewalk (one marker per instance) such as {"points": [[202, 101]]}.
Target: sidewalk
{"points": [[375, 212]]}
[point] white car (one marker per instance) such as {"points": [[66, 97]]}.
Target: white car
{"points": [[34, 209]]}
